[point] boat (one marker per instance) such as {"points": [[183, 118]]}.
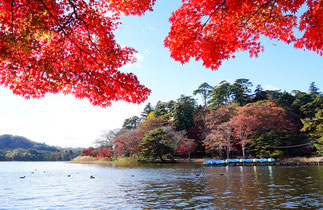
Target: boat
{"points": [[241, 161]]}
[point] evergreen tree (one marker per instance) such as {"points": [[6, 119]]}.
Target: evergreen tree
{"points": [[259, 94], [314, 127], [147, 110], [313, 90], [204, 90], [221, 95], [131, 123], [184, 113], [153, 146], [240, 90]]}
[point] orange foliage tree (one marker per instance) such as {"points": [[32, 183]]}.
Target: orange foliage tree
{"points": [[68, 46], [258, 119], [219, 131]]}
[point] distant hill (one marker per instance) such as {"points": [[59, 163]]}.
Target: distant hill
{"points": [[14, 142]]}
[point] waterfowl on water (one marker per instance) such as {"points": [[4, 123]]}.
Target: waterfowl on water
{"points": [[92, 177], [22, 177]]}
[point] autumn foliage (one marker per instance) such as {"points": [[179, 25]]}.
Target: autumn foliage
{"points": [[97, 152], [65, 46], [213, 30], [69, 46], [266, 126]]}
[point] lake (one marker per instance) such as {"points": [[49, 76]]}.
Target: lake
{"points": [[63, 185]]}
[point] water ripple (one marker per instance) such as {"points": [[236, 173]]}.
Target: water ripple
{"points": [[158, 187]]}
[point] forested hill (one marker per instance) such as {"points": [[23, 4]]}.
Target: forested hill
{"points": [[15, 142]]}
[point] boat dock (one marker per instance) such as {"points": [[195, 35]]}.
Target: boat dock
{"points": [[257, 162]]}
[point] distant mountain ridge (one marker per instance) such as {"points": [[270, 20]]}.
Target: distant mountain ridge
{"points": [[14, 142]]}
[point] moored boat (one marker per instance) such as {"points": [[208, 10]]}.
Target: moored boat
{"points": [[241, 161]]}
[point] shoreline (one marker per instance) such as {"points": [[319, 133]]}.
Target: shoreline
{"points": [[132, 161]]}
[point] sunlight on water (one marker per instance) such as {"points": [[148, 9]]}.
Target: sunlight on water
{"points": [[60, 185]]}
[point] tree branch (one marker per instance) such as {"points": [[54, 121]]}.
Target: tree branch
{"points": [[65, 33]]}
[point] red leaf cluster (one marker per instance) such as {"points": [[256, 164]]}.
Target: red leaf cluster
{"points": [[65, 46], [51, 46], [213, 30], [97, 152]]}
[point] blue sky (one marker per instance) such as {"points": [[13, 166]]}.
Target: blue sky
{"points": [[64, 121]]}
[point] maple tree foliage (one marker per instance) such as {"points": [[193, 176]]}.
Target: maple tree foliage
{"points": [[67, 46], [219, 130], [255, 118], [219, 138], [213, 30], [127, 143]]}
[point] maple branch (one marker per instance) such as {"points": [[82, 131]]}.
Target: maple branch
{"points": [[210, 16], [264, 22], [22, 5], [271, 11], [251, 16], [22, 65], [69, 20], [89, 34], [85, 24], [11, 10], [76, 43], [222, 17]]}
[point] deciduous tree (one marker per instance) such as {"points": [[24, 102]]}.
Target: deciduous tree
{"points": [[214, 30], [220, 139], [127, 143], [68, 46], [258, 119]]}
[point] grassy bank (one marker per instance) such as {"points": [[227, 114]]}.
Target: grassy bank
{"points": [[304, 159], [93, 160], [129, 160]]}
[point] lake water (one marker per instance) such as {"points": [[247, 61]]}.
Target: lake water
{"points": [[62, 185]]}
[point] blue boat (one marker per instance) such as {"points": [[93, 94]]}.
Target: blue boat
{"points": [[242, 160]]}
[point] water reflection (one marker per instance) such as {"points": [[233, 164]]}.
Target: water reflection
{"points": [[159, 186]]}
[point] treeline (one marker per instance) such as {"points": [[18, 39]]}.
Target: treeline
{"points": [[19, 148], [20, 154], [232, 121], [13, 142]]}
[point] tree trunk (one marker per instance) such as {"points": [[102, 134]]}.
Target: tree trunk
{"points": [[243, 149], [161, 158]]}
